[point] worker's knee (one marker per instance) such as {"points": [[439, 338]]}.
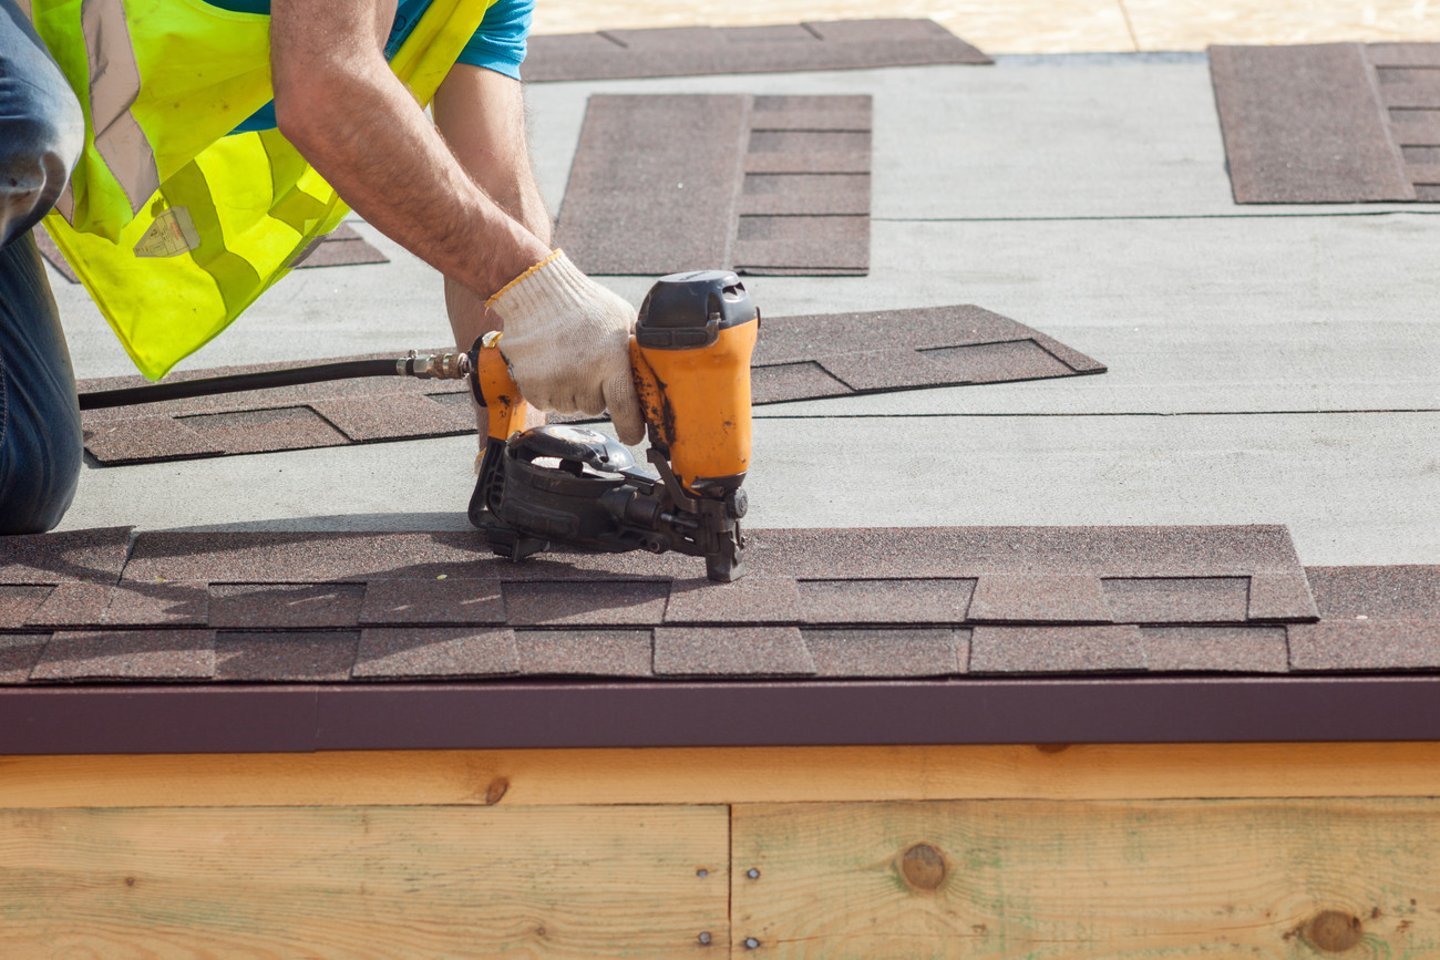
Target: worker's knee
{"points": [[42, 128], [37, 153], [40, 438]]}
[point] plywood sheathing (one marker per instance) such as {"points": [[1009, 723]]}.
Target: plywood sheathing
{"points": [[791, 47], [662, 182], [1333, 123], [829, 603], [797, 358]]}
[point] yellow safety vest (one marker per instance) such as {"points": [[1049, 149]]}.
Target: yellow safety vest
{"points": [[174, 224]]}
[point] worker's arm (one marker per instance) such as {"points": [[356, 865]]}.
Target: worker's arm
{"points": [[481, 115], [338, 102], [566, 337]]}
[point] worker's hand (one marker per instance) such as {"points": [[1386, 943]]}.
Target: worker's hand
{"points": [[567, 340]]}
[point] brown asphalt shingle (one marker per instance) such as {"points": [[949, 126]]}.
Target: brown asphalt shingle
{"points": [[858, 603], [1329, 123], [688, 51]]}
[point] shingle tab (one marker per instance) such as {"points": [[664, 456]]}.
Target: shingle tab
{"points": [[404, 652], [285, 605], [1178, 599], [589, 603], [1227, 649], [1389, 645], [19, 602], [96, 556], [585, 653], [885, 601], [747, 600], [888, 652], [19, 652], [128, 654], [1078, 649], [445, 602], [294, 656], [731, 652], [1038, 598]]}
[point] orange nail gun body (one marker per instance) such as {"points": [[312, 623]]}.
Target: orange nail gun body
{"points": [[690, 356]]}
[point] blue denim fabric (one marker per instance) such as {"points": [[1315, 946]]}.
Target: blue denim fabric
{"points": [[41, 134]]}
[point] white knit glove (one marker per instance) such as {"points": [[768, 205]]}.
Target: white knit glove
{"points": [[567, 340]]}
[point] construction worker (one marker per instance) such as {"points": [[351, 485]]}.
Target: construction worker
{"points": [[147, 217]]}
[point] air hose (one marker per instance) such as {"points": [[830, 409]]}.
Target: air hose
{"points": [[445, 366]]}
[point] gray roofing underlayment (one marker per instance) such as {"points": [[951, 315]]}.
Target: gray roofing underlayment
{"points": [[768, 185], [1330, 123], [793, 47], [342, 247], [796, 358], [937, 607]]}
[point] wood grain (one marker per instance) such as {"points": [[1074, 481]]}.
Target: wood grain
{"points": [[725, 775], [1103, 880], [363, 882]]}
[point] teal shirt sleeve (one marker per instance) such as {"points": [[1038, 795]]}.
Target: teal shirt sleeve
{"points": [[499, 44]]}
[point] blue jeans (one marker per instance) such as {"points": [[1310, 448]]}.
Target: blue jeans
{"points": [[41, 134]]}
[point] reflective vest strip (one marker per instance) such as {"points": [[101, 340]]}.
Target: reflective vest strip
{"points": [[114, 85]]}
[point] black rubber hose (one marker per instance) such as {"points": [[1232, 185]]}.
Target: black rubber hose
{"points": [[180, 389]]}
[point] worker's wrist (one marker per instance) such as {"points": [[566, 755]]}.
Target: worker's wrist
{"points": [[546, 284]]}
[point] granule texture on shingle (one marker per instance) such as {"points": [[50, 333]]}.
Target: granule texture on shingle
{"points": [[1341, 645], [1281, 595], [1038, 598], [586, 603], [247, 557], [292, 656], [448, 602], [128, 654], [885, 601], [731, 652], [167, 603], [1078, 649], [747, 600], [288, 605], [695, 51], [997, 362], [400, 415], [18, 654], [399, 652], [74, 605], [144, 439], [585, 653], [257, 431], [96, 555], [1305, 124], [1401, 592], [19, 602], [1222, 649], [887, 652], [1177, 599]]}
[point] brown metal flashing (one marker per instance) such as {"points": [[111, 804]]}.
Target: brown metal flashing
{"points": [[797, 358], [1330, 123], [108, 719], [690, 51], [342, 247], [661, 183]]}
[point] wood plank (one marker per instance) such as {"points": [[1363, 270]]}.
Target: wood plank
{"points": [[357, 882], [1067, 881], [725, 775]]}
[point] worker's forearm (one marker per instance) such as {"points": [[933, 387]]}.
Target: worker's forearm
{"points": [[365, 134]]}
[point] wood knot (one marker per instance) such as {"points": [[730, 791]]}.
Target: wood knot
{"points": [[1333, 931], [923, 866], [1052, 747], [129, 881], [497, 789]]}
